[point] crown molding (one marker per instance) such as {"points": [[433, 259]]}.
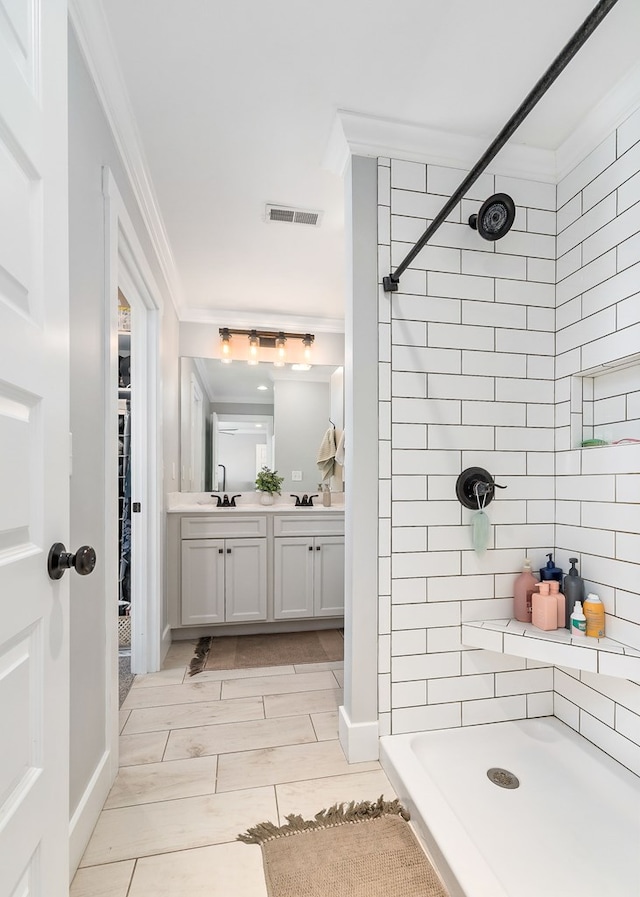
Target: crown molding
{"points": [[92, 32], [261, 320], [353, 133], [602, 120]]}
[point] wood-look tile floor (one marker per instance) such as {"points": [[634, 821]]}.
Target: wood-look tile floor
{"points": [[204, 758]]}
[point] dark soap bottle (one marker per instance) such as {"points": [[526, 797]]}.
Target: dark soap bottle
{"points": [[573, 590], [550, 571]]}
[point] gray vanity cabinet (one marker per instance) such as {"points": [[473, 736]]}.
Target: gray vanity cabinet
{"points": [[239, 570], [308, 567], [224, 580]]}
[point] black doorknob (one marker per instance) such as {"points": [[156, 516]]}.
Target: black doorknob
{"points": [[59, 560]]}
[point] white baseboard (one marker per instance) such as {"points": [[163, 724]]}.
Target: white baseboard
{"points": [[84, 819], [360, 741]]}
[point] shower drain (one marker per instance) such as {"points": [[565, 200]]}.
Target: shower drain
{"points": [[503, 778]]}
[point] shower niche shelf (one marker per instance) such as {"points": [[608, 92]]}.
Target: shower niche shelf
{"points": [[557, 647]]}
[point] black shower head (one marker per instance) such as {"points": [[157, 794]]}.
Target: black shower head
{"points": [[495, 217]]}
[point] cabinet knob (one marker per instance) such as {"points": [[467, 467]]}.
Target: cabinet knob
{"points": [[220, 550], [228, 551], [317, 548], [311, 548]]}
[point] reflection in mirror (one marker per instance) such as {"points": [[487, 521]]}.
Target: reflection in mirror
{"points": [[235, 419]]}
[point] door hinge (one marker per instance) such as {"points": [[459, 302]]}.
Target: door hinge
{"points": [[135, 507]]}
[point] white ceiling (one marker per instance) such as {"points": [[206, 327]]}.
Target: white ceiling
{"points": [[234, 104]]}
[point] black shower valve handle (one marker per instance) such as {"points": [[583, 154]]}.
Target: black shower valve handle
{"points": [[475, 485]]}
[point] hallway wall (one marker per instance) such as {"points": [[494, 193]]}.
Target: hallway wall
{"points": [[91, 147]]}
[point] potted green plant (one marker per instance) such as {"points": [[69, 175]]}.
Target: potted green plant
{"points": [[268, 483]]}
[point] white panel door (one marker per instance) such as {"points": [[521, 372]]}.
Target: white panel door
{"points": [[34, 449]]}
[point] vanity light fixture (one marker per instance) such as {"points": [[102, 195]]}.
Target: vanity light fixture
{"points": [[266, 339]]}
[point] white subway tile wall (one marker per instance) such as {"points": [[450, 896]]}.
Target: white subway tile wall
{"points": [[506, 355], [471, 349], [598, 489]]}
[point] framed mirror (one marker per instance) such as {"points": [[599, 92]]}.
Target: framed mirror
{"points": [[237, 418]]}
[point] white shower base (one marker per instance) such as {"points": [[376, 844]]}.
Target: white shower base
{"points": [[572, 828]]}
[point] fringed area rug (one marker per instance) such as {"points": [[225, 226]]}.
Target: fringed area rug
{"points": [[230, 652], [350, 850]]}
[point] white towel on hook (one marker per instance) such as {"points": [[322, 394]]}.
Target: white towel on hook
{"points": [[340, 450], [327, 454]]}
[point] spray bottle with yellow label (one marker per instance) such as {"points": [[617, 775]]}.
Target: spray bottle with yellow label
{"points": [[593, 610]]}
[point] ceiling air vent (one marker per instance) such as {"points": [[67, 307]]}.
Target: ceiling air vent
{"points": [[292, 216]]}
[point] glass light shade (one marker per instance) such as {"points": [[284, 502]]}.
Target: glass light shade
{"points": [[306, 342]]}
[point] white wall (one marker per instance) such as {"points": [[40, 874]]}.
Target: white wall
{"points": [[598, 489], [466, 363], [300, 419], [470, 348], [237, 451], [90, 148]]}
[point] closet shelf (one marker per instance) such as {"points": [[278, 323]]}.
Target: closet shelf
{"points": [[557, 647]]}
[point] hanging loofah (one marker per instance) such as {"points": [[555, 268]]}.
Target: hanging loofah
{"points": [[338, 814], [199, 659]]}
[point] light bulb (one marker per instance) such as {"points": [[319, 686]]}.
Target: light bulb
{"points": [[254, 343], [306, 342], [225, 343], [280, 346]]}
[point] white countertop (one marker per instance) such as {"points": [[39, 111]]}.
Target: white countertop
{"points": [[202, 503]]}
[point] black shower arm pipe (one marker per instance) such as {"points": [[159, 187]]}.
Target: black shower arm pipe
{"points": [[565, 56]]}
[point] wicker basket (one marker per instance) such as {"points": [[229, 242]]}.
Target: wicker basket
{"points": [[124, 632]]}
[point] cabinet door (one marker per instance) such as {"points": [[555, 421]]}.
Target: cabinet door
{"points": [[245, 580], [328, 576], [293, 577], [202, 581]]}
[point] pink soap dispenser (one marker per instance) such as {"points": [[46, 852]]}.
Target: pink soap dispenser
{"points": [[554, 587], [522, 588], [544, 613]]}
